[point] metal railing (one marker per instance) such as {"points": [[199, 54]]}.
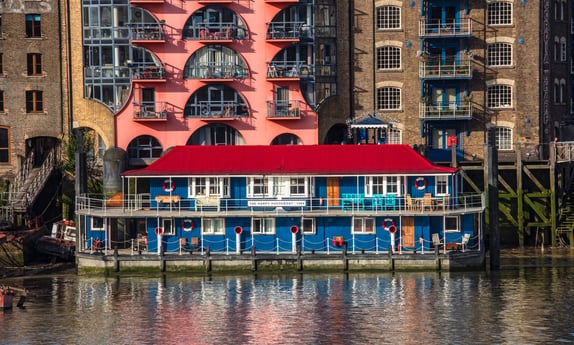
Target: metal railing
{"points": [[147, 32], [214, 32], [150, 111], [219, 109], [288, 69], [449, 111], [446, 28], [282, 109], [439, 69], [288, 30], [214, 70], [314, 206]]}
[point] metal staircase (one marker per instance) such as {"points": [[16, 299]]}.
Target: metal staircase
{"points": [[566, 218]]}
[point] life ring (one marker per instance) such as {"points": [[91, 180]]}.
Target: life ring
{"points": [[168, 185], [294, 229], [386, 225], [187, 225], [159, 231], [421, 183], [238, 230]]}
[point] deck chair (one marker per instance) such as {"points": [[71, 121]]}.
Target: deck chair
{"points": [[427, 201], [390, 201], [409, 202], [464, 241], [436, 242]]}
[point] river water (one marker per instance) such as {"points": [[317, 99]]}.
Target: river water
{"points": [[529, 301]]}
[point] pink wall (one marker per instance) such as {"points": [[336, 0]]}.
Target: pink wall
{"points": [[256, 90]]}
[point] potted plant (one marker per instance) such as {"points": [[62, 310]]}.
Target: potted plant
{"points": [[295, 112]]}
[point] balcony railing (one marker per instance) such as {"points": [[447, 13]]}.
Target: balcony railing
{"points": [[216, 110], [216, 71], [138, 205], [147, 32], [103, 34], [143, 2], [440, 70], [102, 72], [215, 32], [448, 28], [284, 109], [150, 111], [149, 73], [451, 111], [288, 30], [288, 69]]}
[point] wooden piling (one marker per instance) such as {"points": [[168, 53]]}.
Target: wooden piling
{"points": [[492, 173]]}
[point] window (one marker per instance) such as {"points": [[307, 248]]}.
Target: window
{"points": [[388, 58], [213, 226], [33, 27], [388, 18], [1, 101], [4, 145], [308, 226], [451, 224], [209, 186], [563, 49], [168, 226], [1, 64], [504, 138], [34, 101], [34, 62], [562, 91], [394, 136], [263, 225], [278, 186], [499, 96], [499, 54], [389, 98], [144, 147], [258, 187], [298, 186], [441, 185], [499, 13], [382, 185], [97, 224], [363, 225]]}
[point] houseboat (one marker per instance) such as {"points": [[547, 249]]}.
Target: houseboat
{"points": [[320, 199]]}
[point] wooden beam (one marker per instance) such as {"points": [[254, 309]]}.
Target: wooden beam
{"points": [[470, 182], [508, 213], [506, 185], [536, 209], [519, 197], [553, 208], [533, 179]]}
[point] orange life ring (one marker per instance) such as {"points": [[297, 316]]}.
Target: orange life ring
{"points": [[159, 231], [420, 183]]}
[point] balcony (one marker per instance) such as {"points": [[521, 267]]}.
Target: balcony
{"points": [[288, 70], [215, 1], [449, 28], [144, 2], [211, 72], [284, 110], [142, 205], [288, 31], [149, 74], [147, 33], [451, 111], [282, 1], [434, 69], [150, 111], [216, 110], [105, 72]]}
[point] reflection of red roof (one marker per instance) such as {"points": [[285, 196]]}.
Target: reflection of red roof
{"points": [[291, 160]]}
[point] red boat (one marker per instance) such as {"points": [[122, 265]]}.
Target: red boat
{"points": [[61, 242]]}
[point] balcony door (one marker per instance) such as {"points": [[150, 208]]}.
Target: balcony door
{"points": [[148, 101], [443, 16], [282, 101], [444, 97]]}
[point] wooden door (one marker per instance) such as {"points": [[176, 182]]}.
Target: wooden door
{"points": [[332, 191], [408, 232]]}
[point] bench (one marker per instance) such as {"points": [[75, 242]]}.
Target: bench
{"points": [[167, 199]]}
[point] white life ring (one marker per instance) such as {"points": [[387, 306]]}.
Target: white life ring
{"points": [[168, 185], [187, 224], [388, 223], [420, 183]]}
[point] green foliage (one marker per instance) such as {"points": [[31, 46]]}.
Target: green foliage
{"points": [[94, 171]]}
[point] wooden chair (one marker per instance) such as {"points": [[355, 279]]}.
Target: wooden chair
{"points": [[409, 202], [427, 201]]}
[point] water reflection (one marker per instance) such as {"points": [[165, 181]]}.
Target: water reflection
{"points": [[531, 305]]}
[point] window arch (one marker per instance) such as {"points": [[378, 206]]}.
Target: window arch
{"points": [[216, 134], [286, 139], [215, 61], [388, 98], [214, 22], [556, 86], [144, 147], [215, 101], [562, 94], [499, 13], [388, 18], [499, 96], [499, 54], [388, 58]]}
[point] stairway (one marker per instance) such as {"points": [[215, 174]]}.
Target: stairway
{"points": [[566, 218]]}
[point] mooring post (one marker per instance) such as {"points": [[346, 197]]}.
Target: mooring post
{"points": [[391, 260], [436, 258], [492, 171], [207, 260], [116, 260], [345, 261], [519, 196], [162, 259], [253, 259], [553, 206], [299, 259]]}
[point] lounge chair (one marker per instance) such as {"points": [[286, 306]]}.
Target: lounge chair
{"points": [[436, 241]]}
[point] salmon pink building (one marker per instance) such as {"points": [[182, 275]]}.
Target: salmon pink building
{"points": [[210, 72]]}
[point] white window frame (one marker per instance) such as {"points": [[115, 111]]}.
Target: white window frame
{"points": [[381, 184], [394, 136], [265, 226], [499, 54], [388, 58], [389, 98], [168, 226], [221, 186], [504, 138], [497, 95], [388, 18], [298, 182], [280, 186], [363, 224], [455, 219], [213, 226], [441, 185], [259, 182], [94, 228], [503, 15], [308, 226]]}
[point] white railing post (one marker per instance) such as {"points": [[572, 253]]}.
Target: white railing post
{"points": [[328, 245]]}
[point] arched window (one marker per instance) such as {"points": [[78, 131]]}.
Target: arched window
{"points": [[563, 49], [556, 86], [556, 43], [217, 62], [499, 13], [388, 58], [4, 145], [562, 94], [215, 101], [216, 134], [286, 139], [504, 138], [499, 54], [388, 18], [144, 147], [389, 98], [214, 23], [499, 96]]}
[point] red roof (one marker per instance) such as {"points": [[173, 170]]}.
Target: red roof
{"points": [[291, 160]]}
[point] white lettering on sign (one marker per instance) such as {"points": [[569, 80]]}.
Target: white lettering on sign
{"points": [[276, 203]]}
